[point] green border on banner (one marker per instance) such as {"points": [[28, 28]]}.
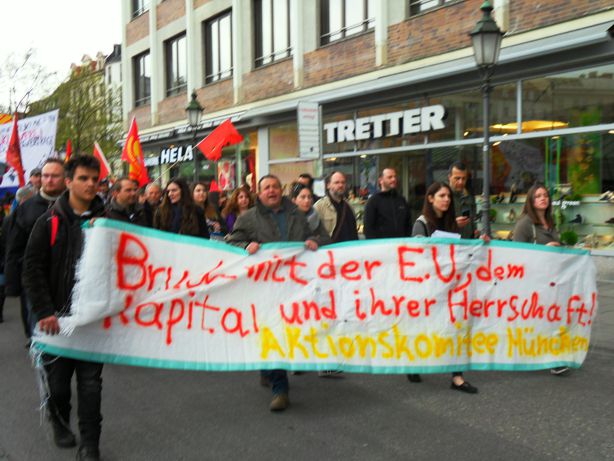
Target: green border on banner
{"points": [[207, 366], [188, 239]]}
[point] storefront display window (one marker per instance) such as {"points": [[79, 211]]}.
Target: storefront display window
{"points": [[571, 99], [283, 141]]}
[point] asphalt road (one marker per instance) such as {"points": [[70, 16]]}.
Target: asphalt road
{"points": [[154, 414]]}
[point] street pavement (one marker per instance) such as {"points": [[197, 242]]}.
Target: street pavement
{"points": [[152, 414]]}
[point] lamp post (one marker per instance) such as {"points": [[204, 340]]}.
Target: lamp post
{"points": [[194, 111], [486, 39]]}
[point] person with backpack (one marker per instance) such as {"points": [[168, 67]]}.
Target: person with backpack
{"points": [[52, 253]]}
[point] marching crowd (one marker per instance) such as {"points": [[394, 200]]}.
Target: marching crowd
{"points": [[42, 242]]}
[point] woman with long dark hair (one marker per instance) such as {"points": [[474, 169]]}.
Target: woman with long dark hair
{"points": [[239, 202], [215, 224], [438, 214], [302, 197], [178, 213]]}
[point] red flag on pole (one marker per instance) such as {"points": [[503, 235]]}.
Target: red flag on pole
{"points": [[133, 154], [224, 135], [105, 168], [68, 151], [13, 153]]}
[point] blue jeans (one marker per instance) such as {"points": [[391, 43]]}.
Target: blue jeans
{"points": [[89, 390], [278, 379]]}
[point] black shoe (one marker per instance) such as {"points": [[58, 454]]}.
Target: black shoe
{"points": [[88, 454], [1, 318], [577, 220], [465, 387], [414, 378], [610, 221], [63, 436]]}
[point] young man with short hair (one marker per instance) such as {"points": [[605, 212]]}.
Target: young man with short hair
{"points": [[52, 253]]}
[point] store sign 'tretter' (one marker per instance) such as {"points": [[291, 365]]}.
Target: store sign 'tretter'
{"points": [[410, 121]]}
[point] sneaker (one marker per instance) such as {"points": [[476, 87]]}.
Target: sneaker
{"points": [[330, 374], [414, 378], [558, 371], [279, 403], [86, 453], [63, 436], [465, 387]]}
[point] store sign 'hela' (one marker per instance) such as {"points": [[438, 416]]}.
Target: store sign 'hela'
{"points": [[174, 154], [410, 121]]}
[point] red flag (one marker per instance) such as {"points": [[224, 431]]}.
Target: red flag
{"points": [[13, 153], [133, 154], [214, 187], [224, 135], [68, 151], [105, 168]]}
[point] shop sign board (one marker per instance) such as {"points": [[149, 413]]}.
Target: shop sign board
{"points": [[308, 117], [411, 121], [174, 154]]}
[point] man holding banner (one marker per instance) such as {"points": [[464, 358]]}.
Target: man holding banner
{"points": [[52, 253], [273, 219]]}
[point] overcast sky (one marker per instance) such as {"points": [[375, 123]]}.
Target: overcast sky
{"points": [[60, 32]]}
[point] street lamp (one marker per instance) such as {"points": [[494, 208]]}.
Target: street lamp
{"points": [[486, 39], [194, 111]]}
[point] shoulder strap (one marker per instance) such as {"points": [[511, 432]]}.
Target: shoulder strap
{"points": [[534, 233], [54, 227]]}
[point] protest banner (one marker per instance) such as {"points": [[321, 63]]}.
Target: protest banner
{"points": [[37, 142], [150, 298]]}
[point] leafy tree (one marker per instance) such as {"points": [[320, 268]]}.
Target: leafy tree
{"points": [[89, 111]]}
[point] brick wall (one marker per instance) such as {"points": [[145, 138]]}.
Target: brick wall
{"points": [[137, 29], [169, 11], [143, 116], [339, 60], [530, 14], [172, 109], [266, 82], [216, 96], [433, 33]]}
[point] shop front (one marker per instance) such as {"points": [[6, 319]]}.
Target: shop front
{"points": [[557, 129]]}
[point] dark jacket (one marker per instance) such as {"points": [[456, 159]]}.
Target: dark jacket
{"points": [[526, 231], [258, 225], [133, 215], [149, 210], [387, 215], [21, 226], [49, 269]]}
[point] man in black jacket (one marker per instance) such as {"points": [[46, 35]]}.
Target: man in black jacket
{"points": [[19, 230], [387, 213], [124, 205], [52, 253]]}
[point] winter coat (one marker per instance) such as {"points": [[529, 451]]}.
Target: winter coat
{"points": [[49, 263], [387, 215], [133, 215]]}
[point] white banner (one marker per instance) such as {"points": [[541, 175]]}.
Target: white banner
{"points": [[37, 141], [151, 298]]}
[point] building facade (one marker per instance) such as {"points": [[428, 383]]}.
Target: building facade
{"points": [[358, 85]]}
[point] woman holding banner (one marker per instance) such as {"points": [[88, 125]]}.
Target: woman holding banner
{"points": [[239, 202], [536, 225], [438, 215], [302, 197], [178, 213]]}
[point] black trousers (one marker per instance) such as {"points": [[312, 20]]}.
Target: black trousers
{"points": [[89, 389]]}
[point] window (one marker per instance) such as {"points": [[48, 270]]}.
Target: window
{"points": [[272, 27], [420, 6], [342, 18], [218, 46], [142, 79], [176, 66], [139, 7]]}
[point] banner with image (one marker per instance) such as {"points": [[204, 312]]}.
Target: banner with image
{"points": [[145, 297]]}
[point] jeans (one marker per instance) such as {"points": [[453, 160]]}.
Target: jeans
{"points": [[278, 379], [89, 389]]}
